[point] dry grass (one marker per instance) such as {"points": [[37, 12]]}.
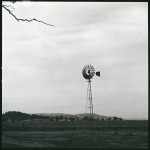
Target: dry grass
{"points": [[120, 138]]}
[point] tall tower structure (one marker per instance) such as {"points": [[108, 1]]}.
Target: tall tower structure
{"points": [[89, 104], [88, 73]]}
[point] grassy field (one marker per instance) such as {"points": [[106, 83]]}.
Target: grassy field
{"points": [[124, 134]]}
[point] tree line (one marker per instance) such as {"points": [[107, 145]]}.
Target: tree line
{"points": [[19, 116]]}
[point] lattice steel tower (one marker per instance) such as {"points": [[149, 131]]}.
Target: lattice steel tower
{"points": [[88, 73]]}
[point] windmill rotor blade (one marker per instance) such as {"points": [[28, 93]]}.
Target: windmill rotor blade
{"points": [[88, 72], [98, 73]]}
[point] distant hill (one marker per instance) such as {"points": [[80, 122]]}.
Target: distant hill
{"points": [[14, 115], [95, 116], [80, 116], [57, 115]]}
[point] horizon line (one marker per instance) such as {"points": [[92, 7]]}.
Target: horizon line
{"points": [[82, 113]]}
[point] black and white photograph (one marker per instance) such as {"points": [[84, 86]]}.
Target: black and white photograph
{"points": [[74, 74]]}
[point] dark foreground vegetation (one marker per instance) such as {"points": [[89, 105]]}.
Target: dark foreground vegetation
{"points": [[74, 134], [116, 138]]}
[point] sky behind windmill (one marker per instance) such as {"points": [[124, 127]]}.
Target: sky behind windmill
{"points": [[42, 65]]}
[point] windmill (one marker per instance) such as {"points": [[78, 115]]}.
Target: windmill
{"points": [[88, 73]]}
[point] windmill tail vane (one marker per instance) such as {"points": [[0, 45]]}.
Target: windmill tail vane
{"points": [[98, 73]]}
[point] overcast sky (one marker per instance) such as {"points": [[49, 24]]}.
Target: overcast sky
{"points": [[42, 65]]}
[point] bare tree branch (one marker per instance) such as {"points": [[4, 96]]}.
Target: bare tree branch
{"points": [[9, 6], [28, 20]]}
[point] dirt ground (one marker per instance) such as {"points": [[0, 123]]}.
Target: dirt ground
{"points": [[113, 138]]}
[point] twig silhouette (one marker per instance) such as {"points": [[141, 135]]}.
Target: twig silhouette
{"points": [[18, 19]]}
